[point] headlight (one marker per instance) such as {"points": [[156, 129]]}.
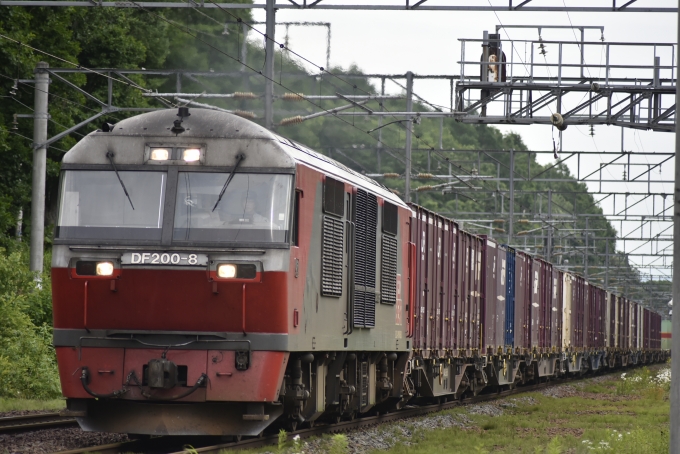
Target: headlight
{"points": [[104, 269], [226, 271], [240, 271], [160, 154], [191, 154]]}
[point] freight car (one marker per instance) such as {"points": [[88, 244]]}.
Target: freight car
{"points": [[211, 277]]}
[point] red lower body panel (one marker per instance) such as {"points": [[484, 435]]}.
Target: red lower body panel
{"points": [[110, 367]]}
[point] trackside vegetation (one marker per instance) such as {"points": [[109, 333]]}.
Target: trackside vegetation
{"points": [[27, 360], [617, 413], [626, 413]]}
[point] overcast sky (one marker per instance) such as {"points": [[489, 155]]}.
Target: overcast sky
{"points": [[427, 43]]}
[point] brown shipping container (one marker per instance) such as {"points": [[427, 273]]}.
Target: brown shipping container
{"points": [[578, 312], [522, 300], [493, 299], [436, 245], [556, 307]]}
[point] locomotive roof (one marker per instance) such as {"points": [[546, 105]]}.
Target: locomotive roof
{"points": [[210, 126]]}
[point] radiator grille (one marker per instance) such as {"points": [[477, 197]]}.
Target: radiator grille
{"points": [[388, 270], [331, 256], [366, 218], [364, 384]]}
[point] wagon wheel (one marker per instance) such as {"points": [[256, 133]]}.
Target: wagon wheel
{"points": [[292, 425]]}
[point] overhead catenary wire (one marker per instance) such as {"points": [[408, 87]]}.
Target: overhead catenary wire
{"points": [[195, 36]]}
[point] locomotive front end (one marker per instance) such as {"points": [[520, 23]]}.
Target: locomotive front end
{"points": [[170, 275]]}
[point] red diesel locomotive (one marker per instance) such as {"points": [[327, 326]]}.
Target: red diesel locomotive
{"points": [[211, 277]]}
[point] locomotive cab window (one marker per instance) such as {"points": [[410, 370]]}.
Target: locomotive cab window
{"points": [[254, 208], [94, 205]]}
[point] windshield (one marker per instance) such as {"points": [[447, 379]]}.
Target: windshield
{"points": [[254, 208], [94, 206]]}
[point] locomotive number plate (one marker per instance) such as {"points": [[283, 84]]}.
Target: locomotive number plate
{"points": [[164, 258]]}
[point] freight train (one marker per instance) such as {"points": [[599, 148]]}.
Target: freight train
{"points": [[211, 277]]}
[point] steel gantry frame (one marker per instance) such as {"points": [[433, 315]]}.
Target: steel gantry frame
{"points": [[598, 6]]}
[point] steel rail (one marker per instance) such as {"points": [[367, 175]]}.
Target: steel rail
{"points": [[27, 423]]}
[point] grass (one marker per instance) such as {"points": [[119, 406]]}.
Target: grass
{"points": [[618, 415], [613, 414], [30, 404]]}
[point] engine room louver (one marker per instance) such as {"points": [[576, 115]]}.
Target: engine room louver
{"points": [[366, 219], [331, 257], [388, 270]]}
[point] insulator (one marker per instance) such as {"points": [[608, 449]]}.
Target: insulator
{"points": [[424, 188], [558, 121], [391, 175], [293, 97], [424, 175], [244, 95], [523, 232], [291, 121], [499, 230], [592, 131], [499, 220], [624, 175], [523, 221], [245, 114], [15, 123], [395, 191]]}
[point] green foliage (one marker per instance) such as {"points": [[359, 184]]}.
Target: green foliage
{"points": [[339, 444], [27, 360], [13, 404], [283, 439], [554, 447], [654, 384]]}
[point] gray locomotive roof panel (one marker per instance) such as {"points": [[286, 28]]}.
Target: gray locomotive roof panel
{"points": [[210, 128]]}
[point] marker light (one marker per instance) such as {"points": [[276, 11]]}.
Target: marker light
{"points": [[160, 154], [226, 271], [191, 154], [104, 269]]}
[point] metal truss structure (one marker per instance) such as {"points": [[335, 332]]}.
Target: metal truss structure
{"points": [[557, 84], [596, 6]]}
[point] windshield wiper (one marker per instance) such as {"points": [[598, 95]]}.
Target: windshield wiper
{"points": [[239, 157], [109, 154]]}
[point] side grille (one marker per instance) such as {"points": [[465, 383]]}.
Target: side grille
{"points": [[366, 214], [388, 270], [363, 398], [331, 256]]}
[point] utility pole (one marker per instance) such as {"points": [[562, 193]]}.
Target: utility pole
{"points": [[269, 65], [409, 138], [40, 116], [675, 328]]}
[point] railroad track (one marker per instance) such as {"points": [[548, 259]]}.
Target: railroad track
{"points": [[34, 422], [168, 445]]}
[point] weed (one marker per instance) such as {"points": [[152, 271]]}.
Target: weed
{"points": [[554, 447], [283, 438], [339, 444]]}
